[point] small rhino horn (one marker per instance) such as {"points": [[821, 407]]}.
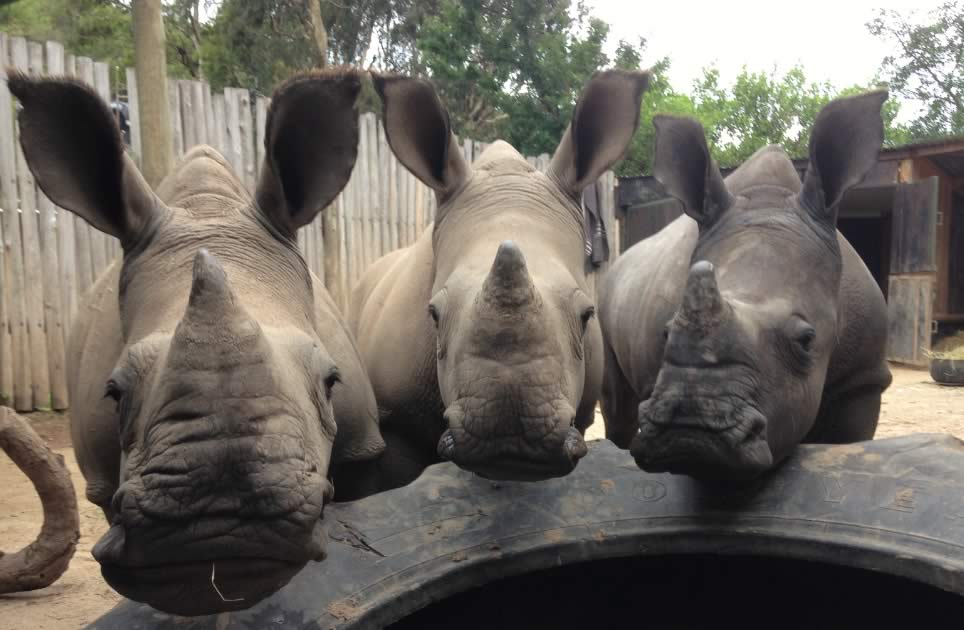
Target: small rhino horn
{"points": [[508, 283], [702, 303], [211, 295]]}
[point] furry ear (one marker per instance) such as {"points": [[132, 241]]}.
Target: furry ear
{"points": [[683, 166], [73, 148], [311, 143], [844, 143], [602, 126], [418, 130]]}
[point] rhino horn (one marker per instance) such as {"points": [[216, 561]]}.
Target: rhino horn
{"points": [[212, 302], [508, 283], [703, 305]]}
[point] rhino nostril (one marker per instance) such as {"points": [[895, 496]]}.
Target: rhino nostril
{"points": [[446, 445]]}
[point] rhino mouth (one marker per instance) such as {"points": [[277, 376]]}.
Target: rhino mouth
{"points": [[225, 574], [722, 437], [511, 462], [202, 588]]}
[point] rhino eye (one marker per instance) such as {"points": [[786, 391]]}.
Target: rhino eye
{"points": [[333, 377], [805, 338], [586, 315], [113, 391]]}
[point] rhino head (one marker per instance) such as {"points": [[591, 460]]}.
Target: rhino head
{"points": [[747, 352], [224, 387], [512, 305]]}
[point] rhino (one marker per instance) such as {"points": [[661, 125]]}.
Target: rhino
{"points": [[213, 382], [480, 338], [749, 324]]}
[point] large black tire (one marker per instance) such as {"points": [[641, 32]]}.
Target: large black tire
{"points": [[895, 507]]}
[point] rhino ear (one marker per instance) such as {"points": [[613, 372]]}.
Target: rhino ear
{"points": [[682, 164], [418, 130], [602, 126], [844, 144], [73, 147], [310, 144]]}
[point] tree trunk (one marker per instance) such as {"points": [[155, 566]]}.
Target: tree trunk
{"points": [[321, 34], [150, 62], [40, 563]]}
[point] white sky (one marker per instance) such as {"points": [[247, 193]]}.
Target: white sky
{"points": [[827, 38]]}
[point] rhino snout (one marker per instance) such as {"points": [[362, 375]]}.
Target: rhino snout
{"points": [[502, 448]]}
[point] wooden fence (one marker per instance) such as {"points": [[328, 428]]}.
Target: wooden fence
{"points": [[50, 257]]}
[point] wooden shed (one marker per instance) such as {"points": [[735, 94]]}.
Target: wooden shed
{"points": [[906, 220]]}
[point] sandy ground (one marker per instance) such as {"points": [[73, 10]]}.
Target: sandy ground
{"points": [[913, 404]]}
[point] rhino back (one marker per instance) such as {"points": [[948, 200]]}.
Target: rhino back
{"points": [[356, 412], [860, 357], [396, 338], [640, 294], [93, 347]]}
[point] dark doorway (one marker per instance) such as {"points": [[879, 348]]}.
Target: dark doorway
{"points": [[955, 258], [694, 591], [870, 236]]}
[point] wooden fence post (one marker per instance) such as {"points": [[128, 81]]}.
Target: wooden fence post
{"points": [[14, 373], [48, 253], [32, 264]]}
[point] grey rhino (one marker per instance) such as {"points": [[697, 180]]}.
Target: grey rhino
{"points": [[204, 365], [504, 381], [749, 324]]}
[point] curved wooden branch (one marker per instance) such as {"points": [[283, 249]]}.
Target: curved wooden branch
{"points": [[40, 563]]}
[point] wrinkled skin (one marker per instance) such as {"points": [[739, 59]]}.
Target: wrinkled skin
{"points": [[207, 367], [480, 338], [749, 324]]}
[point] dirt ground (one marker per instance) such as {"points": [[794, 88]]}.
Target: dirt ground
{"points": [[913, 404]]}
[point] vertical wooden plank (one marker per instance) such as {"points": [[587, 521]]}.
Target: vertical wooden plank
{"points": [[384, 223], [6, 350], [33, 294], [260, 121], [374, 196], [319, 227], [134, 115], [348, 231], [211, 136], [200, 114], [246, 119], [54, 323], [189, 117], [417, 211], [84, 70], [233, 128], [220, 125], [101, 241], [14, 386], [102, 80], [338, 271], [394, 203], [87, 73], [360, 205], [177, 131], [332, 233], [302, 246]]}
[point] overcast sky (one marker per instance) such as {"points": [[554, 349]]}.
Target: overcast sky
{"points": [[828, 38]]}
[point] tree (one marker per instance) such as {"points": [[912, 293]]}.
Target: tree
{"points": [[927, 65], [155, 115], [513, 70], [101, 29]]}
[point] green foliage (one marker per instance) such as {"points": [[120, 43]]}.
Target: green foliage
{"points": [[99, 29], [927, 65], [757, 110], [513, 70]]}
